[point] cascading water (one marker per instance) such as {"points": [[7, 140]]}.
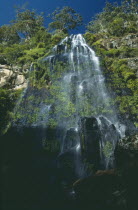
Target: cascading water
{"points": [[84, 87], [78, 108]]}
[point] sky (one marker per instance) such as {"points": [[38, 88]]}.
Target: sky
{"points": [[87, 8]]}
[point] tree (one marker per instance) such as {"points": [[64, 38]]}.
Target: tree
{"points": [[8, 35], [27, 22], [65, 19], [114, 16]]}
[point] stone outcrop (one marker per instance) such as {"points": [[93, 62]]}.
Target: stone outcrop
{"points": [[5, 74], [98, 139], [13, 78], [133, 63], [131, 40], [90, 140]]}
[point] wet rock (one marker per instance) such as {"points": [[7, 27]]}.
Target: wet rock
{"points": [[98, 142], [90, 136], [67, 166], [71, 139]]}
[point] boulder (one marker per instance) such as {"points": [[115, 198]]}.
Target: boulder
{"points": [[71, 139], [22, 86], [20, 79], [98, 137], [5, 75], [13, 79]]}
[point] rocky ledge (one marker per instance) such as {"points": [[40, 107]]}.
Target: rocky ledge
{"points": [[12, 77]]}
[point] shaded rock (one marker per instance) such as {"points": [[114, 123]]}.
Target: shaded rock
{"points": [[90, 136], [98, 141], [113, 189], [126, 153], [67, 166], [104, 190], [71, 139]]}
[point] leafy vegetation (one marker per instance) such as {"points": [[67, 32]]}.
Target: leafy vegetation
{"points": [[65, 19], [108, 149], [110, 34], [7, 102], [116, 20], [25, 41]]}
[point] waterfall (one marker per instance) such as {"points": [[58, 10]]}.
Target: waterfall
{"points": [[78, 107]]}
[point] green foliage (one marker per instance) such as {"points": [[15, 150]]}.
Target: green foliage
{"points": [[57, 37], [7, 102], [65, 19], [8, 35], [52, 123], [41, 39], [13, 52], [91, 38], [112, 53], [110, 25], [27, 22], [116, 27], [128, 104], [116, 19], [26, 41], [108, 149], [35, 53]]}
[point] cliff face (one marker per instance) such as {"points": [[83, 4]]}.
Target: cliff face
{"points": [[12, 78], [119, 63]]}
